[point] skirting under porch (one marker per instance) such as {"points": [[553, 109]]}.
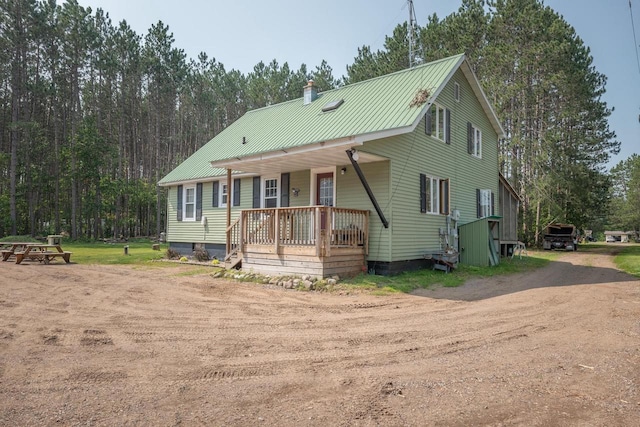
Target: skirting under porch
{"points": [[293, 260]]}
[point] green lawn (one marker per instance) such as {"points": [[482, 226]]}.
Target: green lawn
{"points": [[628, 259], [407, 282], [140, 251]]}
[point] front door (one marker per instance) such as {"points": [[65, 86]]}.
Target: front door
{"points": [[324, 193]]}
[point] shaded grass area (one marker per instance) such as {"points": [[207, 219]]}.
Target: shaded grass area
{"points": [[21, 239], [409, 281]]}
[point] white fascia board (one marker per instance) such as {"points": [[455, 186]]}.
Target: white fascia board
{"points": [[361, 139], [205, 179]]}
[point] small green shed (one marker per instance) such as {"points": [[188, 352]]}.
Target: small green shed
{"points": [[479, 242]]}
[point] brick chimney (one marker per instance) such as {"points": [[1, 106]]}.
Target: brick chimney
{"points": [[310, 93]]}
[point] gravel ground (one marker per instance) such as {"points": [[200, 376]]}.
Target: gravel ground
{"points": [[114, 345]]}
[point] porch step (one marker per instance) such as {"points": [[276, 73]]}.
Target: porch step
{"points": [[234, 261]]}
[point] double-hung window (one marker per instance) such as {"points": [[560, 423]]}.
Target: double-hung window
{"points": [[189, 207], [189, 202], [475, 141], [224, 194], [434, 195], [270, 193], [438, 123], [485, 203]]}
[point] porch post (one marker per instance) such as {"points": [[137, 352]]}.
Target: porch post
{"points": [[229, 196], [276, 238], [318, 231], [328, 230], [242, 234]]}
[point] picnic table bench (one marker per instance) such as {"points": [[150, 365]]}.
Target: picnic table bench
{"points": [[9, 248], [42, 253]]}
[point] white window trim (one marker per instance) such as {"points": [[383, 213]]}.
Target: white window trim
{"points": [[313, 184], [485, 209], [477, 145], [263, 193], [221, 184], [434, 185], [184, 203], [435, 133]]}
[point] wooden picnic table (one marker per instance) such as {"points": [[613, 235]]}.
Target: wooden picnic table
{"points": [[42, 253], [9, 248]]}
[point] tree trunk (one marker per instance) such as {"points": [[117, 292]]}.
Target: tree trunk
{"points": [[16, 88], [75, 107]]}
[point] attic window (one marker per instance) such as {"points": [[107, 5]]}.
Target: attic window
{"points": [[333, 105]]}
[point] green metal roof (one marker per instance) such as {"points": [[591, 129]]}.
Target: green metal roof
{"points": [[380, 104]]}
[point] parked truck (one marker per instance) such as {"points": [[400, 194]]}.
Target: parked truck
{"points": [[561, 236]]}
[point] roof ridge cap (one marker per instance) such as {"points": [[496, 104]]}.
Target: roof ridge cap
{"points": [[406, 70]]}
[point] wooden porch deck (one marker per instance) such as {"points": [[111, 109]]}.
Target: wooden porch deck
{"points": [[320, 241]]}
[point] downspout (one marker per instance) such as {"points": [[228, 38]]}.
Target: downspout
{"points": [[365, 184]]}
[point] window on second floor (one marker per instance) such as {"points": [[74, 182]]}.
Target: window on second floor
{"points": [[438, 123], [474, 140]]}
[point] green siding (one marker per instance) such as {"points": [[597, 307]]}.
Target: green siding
{"points": [[414, 234], [214, 232], [301, 180], [351, 194]]}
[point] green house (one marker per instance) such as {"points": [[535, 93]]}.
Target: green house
{"points": [[376, 176]]}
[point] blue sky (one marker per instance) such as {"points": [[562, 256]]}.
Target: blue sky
{"points": [[240, 33]]}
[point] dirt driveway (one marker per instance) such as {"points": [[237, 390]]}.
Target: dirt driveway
{"points": [[105, 345]]}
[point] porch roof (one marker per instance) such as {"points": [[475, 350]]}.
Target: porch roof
{"points": [[291, 133]]}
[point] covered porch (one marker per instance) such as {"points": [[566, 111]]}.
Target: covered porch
{"points": [[319, 241]]}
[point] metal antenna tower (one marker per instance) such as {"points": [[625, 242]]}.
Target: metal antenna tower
{"points": [[413, 24]]}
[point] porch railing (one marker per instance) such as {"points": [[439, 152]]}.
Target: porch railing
{"points": [[233, 240], [322, 227]]}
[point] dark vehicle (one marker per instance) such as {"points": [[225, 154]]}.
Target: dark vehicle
{"points": [[561, 236]]}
